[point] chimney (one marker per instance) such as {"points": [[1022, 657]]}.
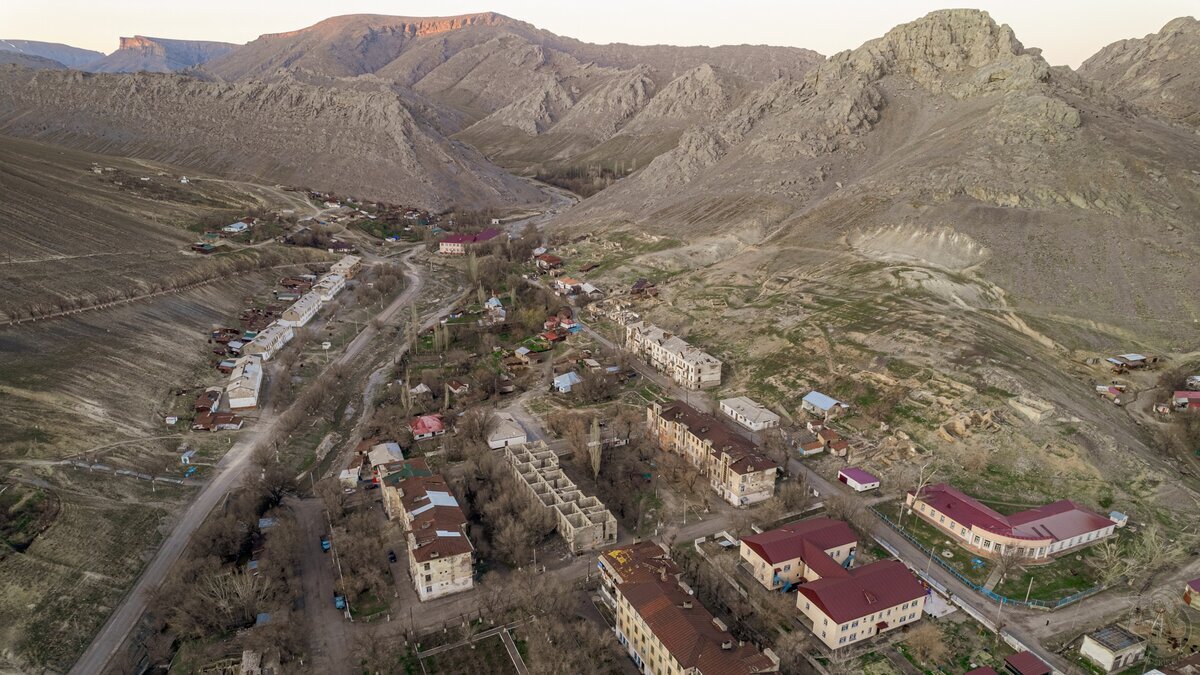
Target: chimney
{"points": [[687, 604], [727, 645], [662, 573]]}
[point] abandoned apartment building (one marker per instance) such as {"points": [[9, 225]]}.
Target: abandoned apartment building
{"points": [[735, 467], [583, 521], [670, 355]]}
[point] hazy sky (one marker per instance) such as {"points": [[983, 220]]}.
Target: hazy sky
{"points": [[1068, 31]]}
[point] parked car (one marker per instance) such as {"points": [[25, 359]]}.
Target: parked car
{"points": [[339, 601], [325, 545], [391, 556]]}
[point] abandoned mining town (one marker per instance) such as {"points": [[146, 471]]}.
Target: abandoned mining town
{"points": [[541, 471]]}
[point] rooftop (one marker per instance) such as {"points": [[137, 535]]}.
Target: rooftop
{"points": [[807, 540], [820, 401], [718, 434], [640, 562], [866, 590], [1115, 638], [1056, 521], [859, 475], [754, 412], [1026, 663]]}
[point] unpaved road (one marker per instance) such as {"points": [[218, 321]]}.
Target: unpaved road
{"points": [[228, 475]]}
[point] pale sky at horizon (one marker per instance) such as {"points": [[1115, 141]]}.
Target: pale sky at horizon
{"points": [[1068, 31]]}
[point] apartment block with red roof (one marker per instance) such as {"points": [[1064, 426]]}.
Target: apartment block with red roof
{"points": [[798, 552], [665, 630], [735, 467], [440, 557], [1036, 534], [845, 609]]}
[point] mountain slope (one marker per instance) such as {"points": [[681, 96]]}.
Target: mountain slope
{"points": [[71, 57], [157, 55], [360, 141], [29, 61], [1160, 72], [948, 143]]}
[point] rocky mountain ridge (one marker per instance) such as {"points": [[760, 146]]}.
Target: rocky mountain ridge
{"points": [[141, 54], [66, 55]]}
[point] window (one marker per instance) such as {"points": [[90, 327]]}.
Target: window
{"points": [[427, 566], [976, 539], [844, 627], [787, 568], [428, 589], [825, 622], [853, 636], [842, 641], [428, 578], [807, 605], [855, 624]]}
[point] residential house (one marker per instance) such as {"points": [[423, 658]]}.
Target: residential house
{"points": [[661, 624], [669, 354], [567, 285], [440, 556], [245, 382], [735, 467], [269, 341], [236, 228], [1026, 663], [302, 311], [845, 609], [458, 387], [505, 431], [347, 267], [806, 550], [1186, 400], [427, 426], [821, 405], [547, 262], [749, 413], [389, 452], [590, 291], [1113, 648], [352, 474], [209, 400], [1035, 533], [643, 287], [564, 382], [455, 244], [582, 521], [858, 479], [216, 421]]}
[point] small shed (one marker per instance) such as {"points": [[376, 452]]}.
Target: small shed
{"points": [[1026, 663], [564, 382], [1113, 648], [858, 479], [819, 404]]}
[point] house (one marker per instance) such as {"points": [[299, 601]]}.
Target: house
{"points": [[217, 421], [806, 550], [302, 311], [749, 413], [347, 267], [858, 479], [329, 286], [843, 610], [458, 387], [427, 426], [735, 468], [1191, 593], [590, 291], [807, 443], [208, 400], [204, 248], [1035, 533], [236, 228], [269, 341], [505, 431], [421, 388], [1113, 648], [547, 262], [384, 453], [1026, 663], [564, 382], [567, 285], [1186, 400], [245, 382], [581, 520], [352, 474], [669, 354], [821, 405], [639, 562], [440, 556], [643, 287]]}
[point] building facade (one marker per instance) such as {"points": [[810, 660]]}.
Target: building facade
{"points": [[749, 413], [245, 382], [582, 521], [302, 311], [1036, 534], [269, 341], [347, 267], [877, 598], [799, 552], [670, 355], [735, 468]]}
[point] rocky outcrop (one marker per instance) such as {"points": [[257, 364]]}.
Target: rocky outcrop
{"points": [[1160, 72], [139, 54], [68, 56]]}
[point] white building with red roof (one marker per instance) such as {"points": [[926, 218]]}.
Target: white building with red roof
{"points": [[797, 552], [869, 600], [1035, 533], [427, 426]]}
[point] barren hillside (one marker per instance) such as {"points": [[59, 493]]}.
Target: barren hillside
{"points": [[155, 55], [361, 141], [949, 144], [71, 57], [1160, 72]]}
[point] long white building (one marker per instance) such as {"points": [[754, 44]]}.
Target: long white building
{"points": [[670, 355], [245, 382], [269, 341], [303, 310], [329, 286]]}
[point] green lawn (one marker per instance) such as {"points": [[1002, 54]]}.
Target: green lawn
{"points": [[1066, 576], [934, 539]]}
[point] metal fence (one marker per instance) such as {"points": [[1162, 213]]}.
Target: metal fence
{"points": [[1004, 600]]}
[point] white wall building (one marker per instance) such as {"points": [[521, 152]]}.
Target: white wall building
{"points": [[507, 431], [749, 413], [303, 310], [329, 286], [269, 341], [245, 382]]}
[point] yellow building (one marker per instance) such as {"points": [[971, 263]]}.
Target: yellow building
{"points": [[846, 609], [440, 557], [798, 552]]}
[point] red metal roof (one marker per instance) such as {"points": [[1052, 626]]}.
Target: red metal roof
{"points": [[427, 424], [985, 670], [1057, 521], [868, 589], [858, 475], [788, 542], [1194, 584], [1026, 663]]}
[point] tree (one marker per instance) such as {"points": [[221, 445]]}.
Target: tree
{"points": [[1010, 559], [852, 510], [595, 449], [927, 643], [577, 438], [920, 477]]}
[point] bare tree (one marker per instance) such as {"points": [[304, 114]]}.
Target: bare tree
{"points": [[595, 450], [927, 643]]}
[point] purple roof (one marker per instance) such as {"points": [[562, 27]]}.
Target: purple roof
{"points": [[490, 233], [458, 239], [858, 475]]}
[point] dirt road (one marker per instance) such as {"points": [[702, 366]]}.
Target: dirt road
{"points": [[228, 475]]}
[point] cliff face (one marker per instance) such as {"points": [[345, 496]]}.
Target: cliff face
{"points": [[1160, 73], [157, 55], [362, 141]]}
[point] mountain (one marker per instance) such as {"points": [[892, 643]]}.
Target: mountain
{"points": [[156, 55], [71, 57], [947, 143], [29, 61], [1160, 72], [361, 141], [526, 97]]}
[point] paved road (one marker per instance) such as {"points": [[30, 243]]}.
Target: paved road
{"points": [[228, 475]]}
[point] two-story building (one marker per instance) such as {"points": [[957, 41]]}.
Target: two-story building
{"points": [[1036, 534], [870, 600], [670, 355], [735, 467], [302, 311], [440, 557], [749, 413], [347, 267], [267, 343], [806, 550]]}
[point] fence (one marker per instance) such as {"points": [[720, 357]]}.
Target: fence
{"points": [[1004, 600]]}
